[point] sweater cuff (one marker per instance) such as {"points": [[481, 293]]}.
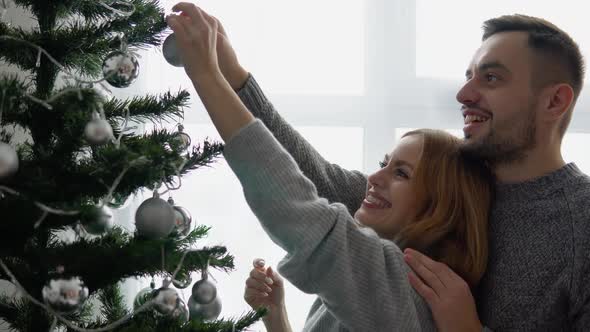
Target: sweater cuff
{"points": [[252, 96]]}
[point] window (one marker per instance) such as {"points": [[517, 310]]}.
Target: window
{"points": [[449, 32], [296, 47]]}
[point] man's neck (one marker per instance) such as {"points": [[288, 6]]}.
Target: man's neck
{"points": [[534, 165]]}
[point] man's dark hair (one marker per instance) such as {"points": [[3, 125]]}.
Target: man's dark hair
{"points": [[557, 56]]}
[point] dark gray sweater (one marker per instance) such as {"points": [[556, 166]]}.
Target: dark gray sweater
{"points": [[538, 276]]}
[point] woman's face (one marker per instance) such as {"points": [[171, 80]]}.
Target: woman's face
{"points": [[390, 200]]}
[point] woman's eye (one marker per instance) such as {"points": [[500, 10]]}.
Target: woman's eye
{"points": [[491, 78], [401, 173], [382, 164]]}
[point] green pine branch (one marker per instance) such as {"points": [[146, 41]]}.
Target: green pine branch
{"points": [[124, 256], [166, 106]]}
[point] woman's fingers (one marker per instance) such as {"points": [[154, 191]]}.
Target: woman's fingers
{"points": [[258, 285], [187, 8], [261, 276]]}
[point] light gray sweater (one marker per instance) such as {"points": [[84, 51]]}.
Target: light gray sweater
{"points": [[360, 279], [538, 276]]}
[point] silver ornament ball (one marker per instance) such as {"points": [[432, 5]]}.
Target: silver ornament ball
{"points": [[142, 297], [204, 291], [98, 131], [166, 300], [65, 295], [103, 222], [154, 218], [207, 312], [8, 160], [182, 219], [170, 51], [120, 69], [182, 282], [181, 312], [182, 138]]}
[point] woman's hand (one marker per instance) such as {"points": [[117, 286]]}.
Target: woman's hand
{"points": [[197, 34], [196, 37], [264, 288]]}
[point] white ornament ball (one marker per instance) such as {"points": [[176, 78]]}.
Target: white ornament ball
{"points": [[120, 69], [170, 51], [102, 223], [65, 295], [204, 291], [98, 131], [154, 218], [166, 300], [8, 160], [207, 312]]}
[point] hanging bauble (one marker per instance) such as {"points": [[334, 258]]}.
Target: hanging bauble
{"points": [[120, 69], [142, 297], [170, 51], [181, 312], [65, 295], [183, 219], [183, 139], [209, 311], [182, 281], [98, 131], [8, 160], [166, 300], [204, 291], [154, 218], [101, 222]]}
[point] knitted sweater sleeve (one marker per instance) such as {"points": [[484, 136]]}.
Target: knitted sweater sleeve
{"points": [[332, 181], [361, 278]]}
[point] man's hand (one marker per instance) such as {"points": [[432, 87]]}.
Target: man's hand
{"points": [[447, 295]]}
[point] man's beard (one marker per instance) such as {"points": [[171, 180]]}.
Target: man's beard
{"points": [[507, 146]]}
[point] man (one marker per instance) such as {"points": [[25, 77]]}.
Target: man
{"points": [[521, 88]]}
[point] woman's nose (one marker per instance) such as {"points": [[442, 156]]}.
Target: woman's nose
{"points": [[376, 179]]}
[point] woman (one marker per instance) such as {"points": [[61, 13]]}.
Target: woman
{"points": [[358, 274], [430, 197]]}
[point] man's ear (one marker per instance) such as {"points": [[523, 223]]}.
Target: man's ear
{"points": [[557, 101]]}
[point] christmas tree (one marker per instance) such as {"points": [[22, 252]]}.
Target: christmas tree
{"points": [[83, 157]]}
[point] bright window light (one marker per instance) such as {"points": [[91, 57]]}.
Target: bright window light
{"points": [[449, 32], [295, 47]]}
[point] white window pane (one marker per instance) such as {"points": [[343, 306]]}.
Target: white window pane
{"points": [[449, 32], [296, 47], [575, 149], [215, 198]]}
